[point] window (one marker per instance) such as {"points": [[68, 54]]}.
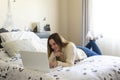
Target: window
{"points": [[104, 17]]}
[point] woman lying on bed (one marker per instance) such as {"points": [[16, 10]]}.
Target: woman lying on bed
{"points": [[64, 53]]}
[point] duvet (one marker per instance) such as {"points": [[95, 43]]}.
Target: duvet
{"points": [[93, 68]]}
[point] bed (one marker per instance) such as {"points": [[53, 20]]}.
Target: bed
{"points": [[11, 68]]}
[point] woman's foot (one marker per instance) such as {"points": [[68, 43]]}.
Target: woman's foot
{"points": [[98, 37], [89, 36]]}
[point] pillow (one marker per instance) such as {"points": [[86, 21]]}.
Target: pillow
{"points": [[13, 47], [19, 35], [1, 31], [0, 43], [45, 34], [43, 44]]}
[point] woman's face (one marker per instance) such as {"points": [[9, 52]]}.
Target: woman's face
{"points": [[54, 45]]}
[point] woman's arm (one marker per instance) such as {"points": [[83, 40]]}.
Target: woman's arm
{"points": [[69, 55], [65, 58], [55, 57], [52, 60]]}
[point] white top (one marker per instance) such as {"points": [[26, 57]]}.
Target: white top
{"points": [[71, 53]]}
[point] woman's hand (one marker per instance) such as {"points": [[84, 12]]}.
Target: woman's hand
{"points": [[53, 64], [58, 53]]}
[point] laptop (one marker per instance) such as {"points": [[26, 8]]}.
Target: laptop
{"points": [[37, 61]]}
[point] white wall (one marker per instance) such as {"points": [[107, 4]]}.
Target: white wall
{"points": [[64, 16], [71, 20], [75, 21], [26, 12]]}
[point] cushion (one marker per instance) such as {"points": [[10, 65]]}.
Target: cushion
{"points": [[13, 47], [45, 34], [2, 30], [0, 43], [19, 35]]}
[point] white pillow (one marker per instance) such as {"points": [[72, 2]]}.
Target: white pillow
{"points": [[19, 35], [43, 44], [13, 47]]}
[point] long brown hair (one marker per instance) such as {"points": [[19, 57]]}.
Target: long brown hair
{"points": [[59, 40]]}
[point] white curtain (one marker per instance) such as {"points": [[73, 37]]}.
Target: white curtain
{"points": [[104, 17], [84, 21]]}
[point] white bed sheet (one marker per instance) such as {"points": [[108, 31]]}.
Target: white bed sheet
{"points": [[93, 68]]}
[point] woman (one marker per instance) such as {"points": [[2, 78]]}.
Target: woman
{"points": [[64, 53]]}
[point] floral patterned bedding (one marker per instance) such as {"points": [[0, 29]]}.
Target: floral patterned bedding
{"points": [[93, 68]]}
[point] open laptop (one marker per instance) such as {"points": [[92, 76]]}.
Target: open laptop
{"points": [[35, 61]]}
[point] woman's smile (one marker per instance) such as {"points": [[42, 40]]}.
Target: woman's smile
{"points": [[53, 45]]}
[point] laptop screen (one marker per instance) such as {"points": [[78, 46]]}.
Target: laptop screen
{"points": [[35, 60]]}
